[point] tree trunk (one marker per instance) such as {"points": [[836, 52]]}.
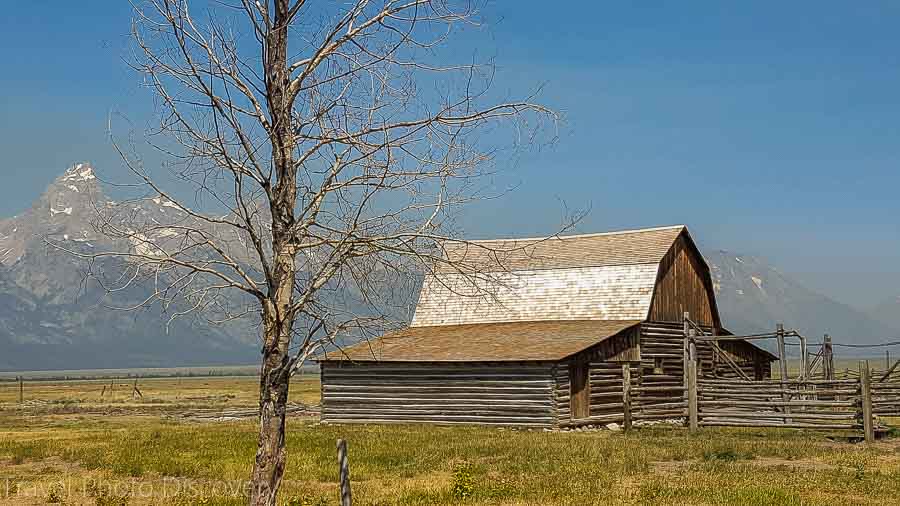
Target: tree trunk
{"points": [[271, 455], [277, 314]]}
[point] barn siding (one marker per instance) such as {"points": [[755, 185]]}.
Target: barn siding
{"points": [[663, 343], [684, 285], [517, 394], [605, 362], [747, 357]]}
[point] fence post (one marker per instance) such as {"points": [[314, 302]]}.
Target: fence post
{"points": [[782, 357], [693, 415], [21, 389], [344, 464], [626, 395], [692, 345], [865, 387], [782, 362], [828, 358], [685, 351], [804, 359], [716, 350]]}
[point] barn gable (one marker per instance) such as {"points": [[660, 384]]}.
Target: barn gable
{"points": [[684, 285], [631, 275]]}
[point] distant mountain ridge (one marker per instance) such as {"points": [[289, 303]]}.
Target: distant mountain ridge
{"points": [[888, 312], [52, 317], [753, 296]]}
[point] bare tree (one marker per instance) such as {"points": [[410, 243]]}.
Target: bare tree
{"points": [[338, 145]]}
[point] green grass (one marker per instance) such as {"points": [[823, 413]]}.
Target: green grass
{"points": [[135, 455], [414, 465]]}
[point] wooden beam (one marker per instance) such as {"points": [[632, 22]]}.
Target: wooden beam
{"points": [[626, 395], [693, 411], [684, 351], [731, 363], [890, 371], [782, 361], [865, 386], [344, 469], [804, 358]]}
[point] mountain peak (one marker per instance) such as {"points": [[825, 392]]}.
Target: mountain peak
{"points": [[79, 178], [75, 192], [78, 173]]}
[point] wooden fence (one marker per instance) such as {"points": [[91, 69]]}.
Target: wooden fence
{"points": [[819, 398], [852, 403], [886, 392], [843, 404], [800, 404]]}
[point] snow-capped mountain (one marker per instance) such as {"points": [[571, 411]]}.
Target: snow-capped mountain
{"points": [[52, 317], [753, 296], [63, 212]]}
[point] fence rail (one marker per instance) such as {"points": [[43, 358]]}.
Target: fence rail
{"points": [[856, 403], [819, 398]]}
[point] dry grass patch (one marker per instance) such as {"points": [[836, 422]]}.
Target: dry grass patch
{"points": [[164, 460]]}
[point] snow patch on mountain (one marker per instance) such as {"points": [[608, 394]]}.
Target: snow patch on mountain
{"points": [[79, 172], [758, 282], [160, 201]]}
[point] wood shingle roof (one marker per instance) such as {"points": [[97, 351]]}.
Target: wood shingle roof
{"points": [[628, 247], [487, 342]]}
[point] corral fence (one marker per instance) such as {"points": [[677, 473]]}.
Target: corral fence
{"points": [[816, 397], [812, 395]]}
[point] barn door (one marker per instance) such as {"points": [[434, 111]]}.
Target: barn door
{"points": [[580, 392]]}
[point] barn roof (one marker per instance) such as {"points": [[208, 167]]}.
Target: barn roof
{"points": [[485, 342], [605, 276], [626, 247]]}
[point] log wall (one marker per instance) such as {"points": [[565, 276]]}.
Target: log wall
{"points": [[604, 362], [536, 394], [511, 394], [660, 394], [662, 343], [661, 391], [748, 358]]}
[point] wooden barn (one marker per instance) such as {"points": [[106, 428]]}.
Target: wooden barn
{"points": [[545, 343]]}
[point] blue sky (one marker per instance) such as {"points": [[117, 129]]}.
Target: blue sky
{"points": [[770, 128]]}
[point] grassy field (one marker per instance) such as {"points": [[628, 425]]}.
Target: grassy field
{"points": [[157, 395], [68, 445]]}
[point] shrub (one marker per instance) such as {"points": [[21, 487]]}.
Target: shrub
{"points": [[55, 496], [721, 455], [463, 483]]}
